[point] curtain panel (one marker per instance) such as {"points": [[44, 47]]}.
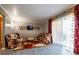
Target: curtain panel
{"points": [[76, 34], [50, 25]]}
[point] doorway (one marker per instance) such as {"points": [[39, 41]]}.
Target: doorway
{"points": [[1, 30]]}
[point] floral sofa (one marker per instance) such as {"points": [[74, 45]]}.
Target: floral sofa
{"points": [[14, 41]]}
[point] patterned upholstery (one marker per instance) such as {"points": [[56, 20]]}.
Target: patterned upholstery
{"points": [[12, 40], [44, 38], [15, 41]]}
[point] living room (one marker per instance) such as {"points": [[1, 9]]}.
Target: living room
{"points": [[38, 27]]}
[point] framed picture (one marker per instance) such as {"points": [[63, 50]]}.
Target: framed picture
{"points": [[36, 28], [22, 27]]}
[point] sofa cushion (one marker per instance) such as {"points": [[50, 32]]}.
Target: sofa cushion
{"points": [[44, 37]]}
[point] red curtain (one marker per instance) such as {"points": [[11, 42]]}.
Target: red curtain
{"points": [[76, 40], [50, 25]]}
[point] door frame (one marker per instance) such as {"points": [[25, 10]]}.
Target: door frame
{"points": [[3, 29]]}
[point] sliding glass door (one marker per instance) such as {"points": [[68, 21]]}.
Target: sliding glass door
{"points": [[63, 30]]}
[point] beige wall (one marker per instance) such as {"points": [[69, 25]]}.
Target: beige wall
{"points": [[24, 33], [28, 33], [45, 27]]}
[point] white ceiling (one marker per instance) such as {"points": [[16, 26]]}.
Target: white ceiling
{"points": [[34, 12]]}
